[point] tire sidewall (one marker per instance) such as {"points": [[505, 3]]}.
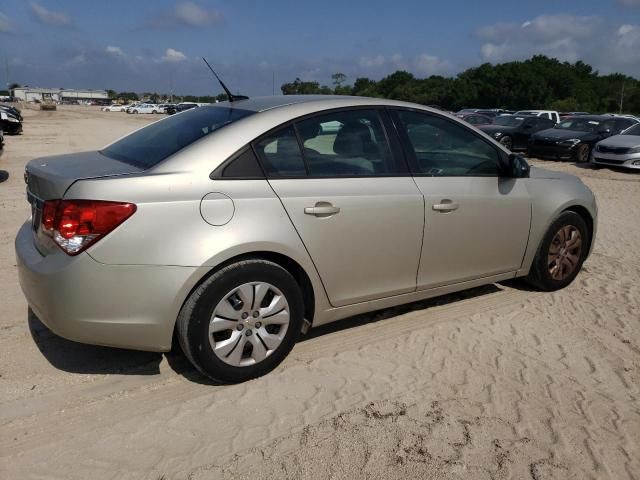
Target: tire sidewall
{"points": [[213, 292], [544, 278], [581, 148], [504, 143]]}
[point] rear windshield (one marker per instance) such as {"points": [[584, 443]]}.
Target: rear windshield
{"points": [[151, 145]]}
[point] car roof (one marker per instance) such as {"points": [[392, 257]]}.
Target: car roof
{"points": [[261, 104], [599, 118]]}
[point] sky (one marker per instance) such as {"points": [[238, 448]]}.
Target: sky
{"points": [[256, 45]]}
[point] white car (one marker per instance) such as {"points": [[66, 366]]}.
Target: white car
{"points": [[550, 114], [114, 108], [144, 108]]}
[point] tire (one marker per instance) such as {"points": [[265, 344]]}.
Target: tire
{"points": [[213, 306], [135, 111], [582, 153], [154, 112], [507, 142], [558, 261]]}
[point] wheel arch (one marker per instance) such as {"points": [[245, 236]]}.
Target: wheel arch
{"points": [[286, 262], [586, 216]]}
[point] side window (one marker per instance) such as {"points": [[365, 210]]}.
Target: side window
{"points": [[243, 165], [444, 148], [280, 154], [346, 143]]}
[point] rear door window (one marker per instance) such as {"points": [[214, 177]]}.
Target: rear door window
{"points": [[347, 143], [280, 154]]}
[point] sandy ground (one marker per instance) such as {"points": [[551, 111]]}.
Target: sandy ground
{"points": [[493, 383]]}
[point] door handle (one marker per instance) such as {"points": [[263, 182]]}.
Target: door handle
{"points": [[322, 209], [445, 206]]}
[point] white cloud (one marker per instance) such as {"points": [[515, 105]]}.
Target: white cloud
{"points": [[114, 50], [371, 62], [605, 46], [49, 17], [186, 14], [5, 24], [422, 64], [171, 55]]}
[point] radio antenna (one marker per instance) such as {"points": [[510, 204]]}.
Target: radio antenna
{"points": [[230, 96]]}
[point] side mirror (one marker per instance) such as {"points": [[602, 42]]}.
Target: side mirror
{"points": [[517, 167], [604, 131]]}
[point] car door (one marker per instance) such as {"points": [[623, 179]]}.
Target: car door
{"points": [[476, 222], [354, 204]]}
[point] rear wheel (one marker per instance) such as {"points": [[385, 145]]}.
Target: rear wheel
{"points": [[242, 321], [561, 253], [507, 142], [135, 111], [582, 153]]}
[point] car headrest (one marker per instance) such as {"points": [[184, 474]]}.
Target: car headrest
{"points": [[354, 140]]}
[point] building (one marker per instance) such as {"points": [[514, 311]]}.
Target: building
{"points": [[31, 94]]}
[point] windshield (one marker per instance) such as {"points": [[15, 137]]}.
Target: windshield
{"points": [[147, 147], [579, 125], [635, 130], [509, 121]]}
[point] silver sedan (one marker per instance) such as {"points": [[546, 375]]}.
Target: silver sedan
{"points": [[239, 226], [621, 150]]}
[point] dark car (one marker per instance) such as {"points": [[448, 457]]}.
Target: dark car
{"points": [[9, 123], [475, 118], [12, 110], [181, 107], [574, 137], [514, 131], [1, 141]]}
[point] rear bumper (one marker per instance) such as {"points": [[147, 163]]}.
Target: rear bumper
{"points": [[78, 298]]}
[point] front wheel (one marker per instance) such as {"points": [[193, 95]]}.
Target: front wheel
{"points": [[582, 154], [242, 321], [135, 111], [507, 142], [561, 253]]}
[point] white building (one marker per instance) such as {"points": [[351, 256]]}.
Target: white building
{"points": [[30, 94]]}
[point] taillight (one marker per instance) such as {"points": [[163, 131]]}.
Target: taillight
{"points": [[76, 224]]}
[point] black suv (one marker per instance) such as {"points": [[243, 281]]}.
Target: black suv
{"points": [[514, 131], [574, 137]]}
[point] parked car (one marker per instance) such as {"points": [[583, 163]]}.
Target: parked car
{"points": [[486, 112], [564, 115], [144, 108], [9, 124], [550, 114], [114, 108], [13, 111], [475, 118], [162, 108], [574, 137], [514, 131], [1, 141], [621, 150], [246, 224], [181, 107]]}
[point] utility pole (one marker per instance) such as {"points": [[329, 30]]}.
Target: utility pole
{"points": [[622, 95]]}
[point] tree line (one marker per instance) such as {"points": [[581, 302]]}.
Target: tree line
{"points": [[539, 82]]}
